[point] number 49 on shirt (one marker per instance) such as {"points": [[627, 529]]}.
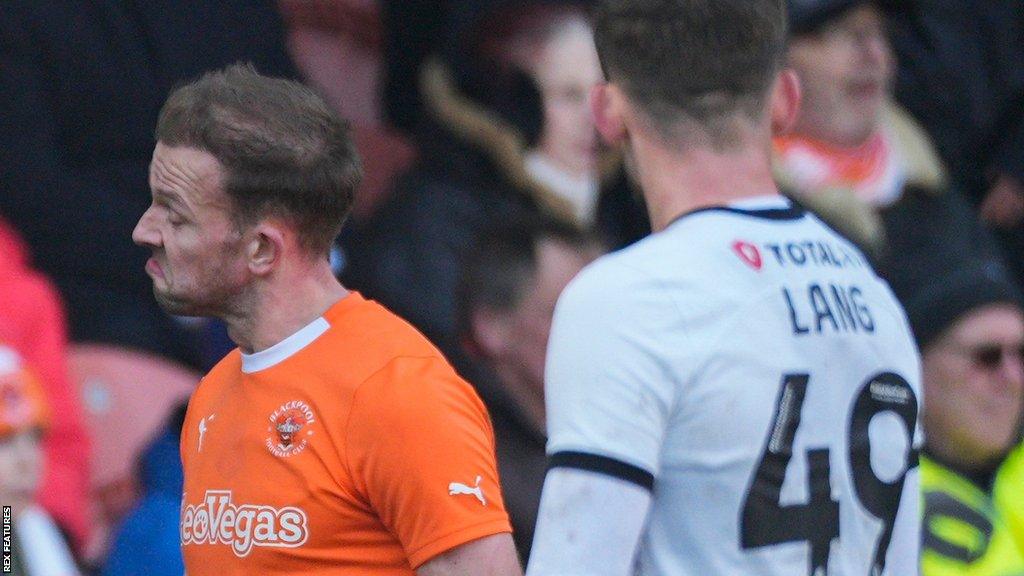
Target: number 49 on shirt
{"points": [[766, 522]]}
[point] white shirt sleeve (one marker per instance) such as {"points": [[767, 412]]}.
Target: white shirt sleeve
{"points": [[905, 545], [589, 524], [609, 385]]}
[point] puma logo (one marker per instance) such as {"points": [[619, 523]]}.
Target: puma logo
{"points": [[456, 488]]}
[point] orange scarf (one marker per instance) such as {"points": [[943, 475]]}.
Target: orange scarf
{"points": [[872, 171]]}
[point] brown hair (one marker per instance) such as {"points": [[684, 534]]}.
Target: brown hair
{"points": [[285, 152], [696, 62]]}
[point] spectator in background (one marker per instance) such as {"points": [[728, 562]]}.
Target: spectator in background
{"points": [[856, 158], [968, 321], [509, 135], [32, 323], [148, 543], [81, 84], [961, 73], [38, 548], [864, 165], [562, 61], [506, 299]]}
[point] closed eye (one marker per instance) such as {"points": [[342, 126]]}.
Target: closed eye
{"points": [[175, 219]]}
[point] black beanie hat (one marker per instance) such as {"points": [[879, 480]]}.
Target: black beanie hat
{"points": [[806, 16], [935, 302]]}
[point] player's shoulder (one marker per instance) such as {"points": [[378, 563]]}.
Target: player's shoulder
{"points": [[229, 367], [705, 254], [706, 242], [223, 374], [613, 281], [395, 371], [366, 337], [620, 269], [369, 328]]}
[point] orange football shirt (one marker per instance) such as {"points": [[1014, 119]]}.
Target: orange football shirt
{"points": [[351, 447]]}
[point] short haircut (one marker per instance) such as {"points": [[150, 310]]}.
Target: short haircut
{"points": [[285, 153], [691, 63], [497, 271]]}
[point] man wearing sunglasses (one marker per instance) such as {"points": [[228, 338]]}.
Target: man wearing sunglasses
{"points": [[970, 326]]}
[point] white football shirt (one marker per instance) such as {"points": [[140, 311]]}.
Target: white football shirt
{"points": [[749, 368]]}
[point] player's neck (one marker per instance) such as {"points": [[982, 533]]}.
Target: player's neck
{"points": [[675, 182], [282, 305]]}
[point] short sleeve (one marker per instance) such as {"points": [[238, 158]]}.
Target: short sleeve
{"points": [[420, 448], [609, 388]]}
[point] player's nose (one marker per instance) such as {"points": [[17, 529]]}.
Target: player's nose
{"points": [[146, 233]]}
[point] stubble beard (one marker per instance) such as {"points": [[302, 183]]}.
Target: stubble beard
{"points": [[212, 295], [178, 306], [215, 302]]}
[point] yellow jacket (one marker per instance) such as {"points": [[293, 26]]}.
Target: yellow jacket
{"points": [[967, 531]]}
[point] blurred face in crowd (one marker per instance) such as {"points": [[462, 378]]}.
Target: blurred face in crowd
{"points": [[566, 68], [974, 386], [21, 467], [845, 70], [521, 348], [198, 263]]}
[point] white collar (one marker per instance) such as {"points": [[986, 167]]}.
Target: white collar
{"points": [[764, 202], [286, 348]]}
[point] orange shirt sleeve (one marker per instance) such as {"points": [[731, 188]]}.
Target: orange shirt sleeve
{"points": [[420, 448]]}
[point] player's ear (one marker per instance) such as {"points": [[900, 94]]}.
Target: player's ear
{"points": [[490, 331], [785, 101], [606, 104], [265, 248]]}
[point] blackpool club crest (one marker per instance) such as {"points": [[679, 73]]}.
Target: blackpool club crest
{"points": [[290, 429]]}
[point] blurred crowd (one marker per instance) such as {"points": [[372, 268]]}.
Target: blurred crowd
{"points": [[486, 191]]}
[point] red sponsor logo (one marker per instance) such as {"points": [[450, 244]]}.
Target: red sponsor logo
{"points": [[748, 253]]}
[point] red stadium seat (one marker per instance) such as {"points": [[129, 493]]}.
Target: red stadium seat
{"points": [[127, 397]]}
